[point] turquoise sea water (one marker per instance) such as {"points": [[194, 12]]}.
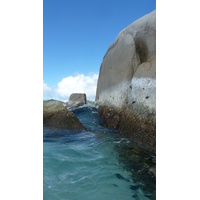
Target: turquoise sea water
{"points": [[95, 164]]}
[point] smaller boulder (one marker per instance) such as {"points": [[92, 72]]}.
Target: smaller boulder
{"points": [[53, 105], [77, 99], [62, 119], [57, 116]]}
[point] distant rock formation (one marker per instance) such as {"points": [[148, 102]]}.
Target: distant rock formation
{"points": [[77, 99], [57, 116], [126, 90]]}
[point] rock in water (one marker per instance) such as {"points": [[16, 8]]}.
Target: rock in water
{"points": [[126, 90], [56, 115], [77, 99], [53, 105]]}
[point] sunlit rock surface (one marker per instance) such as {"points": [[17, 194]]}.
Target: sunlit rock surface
{"points": [[126, 90]]}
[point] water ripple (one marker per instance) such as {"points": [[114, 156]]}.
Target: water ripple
{"points": [[94, 164]]}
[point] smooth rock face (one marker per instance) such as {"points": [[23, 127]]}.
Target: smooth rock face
{"points": [[77, 99], [57, 116], [126, 90]]}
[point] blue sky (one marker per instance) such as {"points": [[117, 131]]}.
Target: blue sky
{"points": [[76, 35]]}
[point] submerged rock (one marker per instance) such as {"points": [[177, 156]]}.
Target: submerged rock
{"points": [[56, 115], [77, 99], [126, 90]]}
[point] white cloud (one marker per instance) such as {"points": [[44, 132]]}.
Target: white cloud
{"points": [[73, 84], [47, 91]]}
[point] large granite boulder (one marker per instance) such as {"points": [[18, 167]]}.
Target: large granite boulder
{"points": [[77, 99], [126, 90], [56, 115]]}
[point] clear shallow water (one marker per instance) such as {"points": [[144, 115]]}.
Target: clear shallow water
{"points": [[94, 164]]}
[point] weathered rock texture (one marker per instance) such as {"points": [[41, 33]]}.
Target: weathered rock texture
{"points": [[77, 99], [56, 115], [126, 90]]}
